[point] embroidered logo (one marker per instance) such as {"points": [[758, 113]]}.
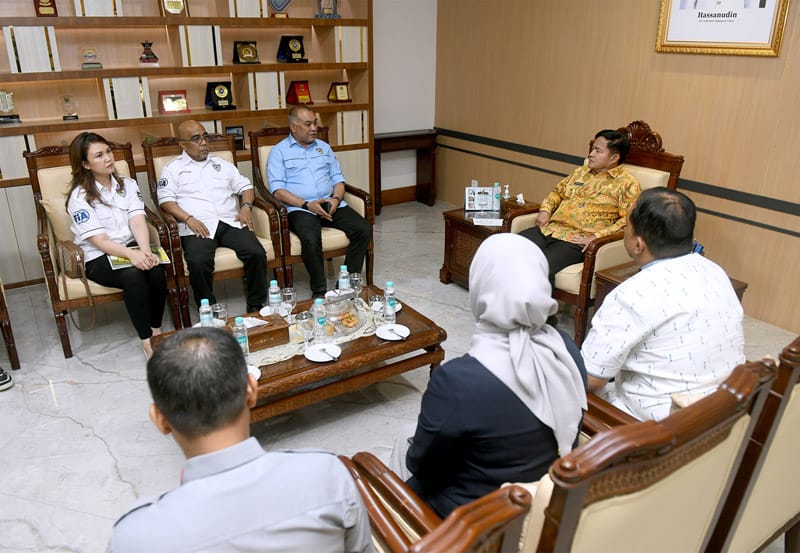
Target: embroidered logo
{"points": [[217, 167], [162, 183], [319, 150], [139, 194], [121, 192], [80, 216]]}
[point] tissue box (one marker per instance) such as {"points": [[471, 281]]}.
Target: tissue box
{"points": [[275, 333]]}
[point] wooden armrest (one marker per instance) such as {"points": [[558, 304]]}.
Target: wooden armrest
{"points": [[597, 243], [395, 492], [379, 518], [601, 415], [369, 213]]}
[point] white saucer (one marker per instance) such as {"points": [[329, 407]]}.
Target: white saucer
{"points": [[255, 371], [322, 353], [379, 306], [217, 322], [383, 332]]}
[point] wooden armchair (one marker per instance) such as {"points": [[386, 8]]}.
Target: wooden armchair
{"points": [[644, 486], [226, 265], [50, 175], [765, 500], [652, 166], [334, 241], [8, 334], [487, 525]]}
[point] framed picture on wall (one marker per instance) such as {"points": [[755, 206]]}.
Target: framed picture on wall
{"points": [[727, 27]]}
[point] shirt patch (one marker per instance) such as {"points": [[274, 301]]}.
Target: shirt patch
{"points": [[217, 167], [162, 183], [121, 192], [319, 150], [139, 194], [80, 216]]}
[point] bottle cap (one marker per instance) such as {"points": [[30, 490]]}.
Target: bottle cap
{"points": [[203, 302], [390, 284], [342, 268], [238, 321], [273, 282], [318, 301]]}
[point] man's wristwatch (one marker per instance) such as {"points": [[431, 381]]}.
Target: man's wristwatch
{"points": [[304, 206], [247, 204]]}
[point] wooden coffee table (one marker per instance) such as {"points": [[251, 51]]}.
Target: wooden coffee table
{"points": [[296, 382]]}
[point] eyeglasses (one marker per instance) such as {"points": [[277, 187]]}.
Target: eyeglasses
{"points": [[198, 138]]}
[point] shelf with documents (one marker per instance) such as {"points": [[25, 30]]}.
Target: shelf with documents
{"points": [[44, 58]]}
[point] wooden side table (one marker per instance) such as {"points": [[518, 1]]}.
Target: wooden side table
{"points": [[424, 142], [608, 279], [462, 238]]}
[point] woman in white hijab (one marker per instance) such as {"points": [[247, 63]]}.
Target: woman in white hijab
{"points": [[506, 410]]}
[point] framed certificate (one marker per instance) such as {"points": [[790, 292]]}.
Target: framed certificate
{"points": [[237, 132], [172, 101]]}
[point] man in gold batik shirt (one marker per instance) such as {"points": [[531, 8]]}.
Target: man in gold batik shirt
{"points": [[592, 202]]}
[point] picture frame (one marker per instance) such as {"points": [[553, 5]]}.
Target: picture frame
{"points": [[722, 27], [478, 198], [245, 51], [237, 132], [172, 101], [339, 92]]}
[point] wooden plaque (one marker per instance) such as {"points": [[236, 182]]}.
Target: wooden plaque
{"points": [[45, 8], [298, 93], [339, 93], [172, 101]]}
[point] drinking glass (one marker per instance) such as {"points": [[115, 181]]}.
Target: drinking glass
{"points": [[220, 313], [376, 308], [288, 303], [356, 284], [305, 324]]}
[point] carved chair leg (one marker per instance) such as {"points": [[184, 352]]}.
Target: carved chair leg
{"points": [[370, 261], [11, 346], [580, 325], [791, 539], [61, 323], [173, 297], [289, 275], [183, 302]]}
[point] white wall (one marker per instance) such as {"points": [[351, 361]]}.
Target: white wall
{"points": [[404, 46]]}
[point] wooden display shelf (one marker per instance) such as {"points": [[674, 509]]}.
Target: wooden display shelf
{"points": [[158, 21]]}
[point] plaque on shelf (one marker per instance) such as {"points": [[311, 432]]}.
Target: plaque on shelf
{"points": [[89, 55], [339, 92], [172, 101], [328, 9], [278, 7], [219, 96], [298, 93], [173, 7], [45, 8], [290, 49], [8, 113], [237, 133], [69, 107], [148, 57], [244, 51]]}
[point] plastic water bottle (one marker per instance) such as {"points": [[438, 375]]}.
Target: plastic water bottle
{"points": [[506, 193], [389, 303], [240, 333], [344, 278], [206, 317], [274, 297], [496, 196], [320, 318]]}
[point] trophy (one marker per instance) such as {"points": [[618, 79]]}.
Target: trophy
{"points": [[89, 55], [244, 51], [298, 93], [278, 6], [290, 49], [8, 113], [328, 9], [69, 107], [219, 96], [45, 8], [148, 57]]}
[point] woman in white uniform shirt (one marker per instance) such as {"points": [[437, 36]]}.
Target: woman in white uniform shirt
{"points": [[107, 217]]}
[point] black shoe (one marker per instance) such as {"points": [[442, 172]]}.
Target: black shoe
{"points": [[5, 380], [254, 308]]}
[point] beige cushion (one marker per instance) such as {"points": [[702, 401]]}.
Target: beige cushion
{"points": [[534, 520], [648, 178], [635, 522], [158, 166], [332, 239], [774, 499]]}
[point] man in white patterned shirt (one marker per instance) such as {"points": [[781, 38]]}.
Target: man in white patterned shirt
{"points": [[675, 326]]}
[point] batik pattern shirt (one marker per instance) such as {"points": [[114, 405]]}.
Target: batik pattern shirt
{"points": [[589, 202]]}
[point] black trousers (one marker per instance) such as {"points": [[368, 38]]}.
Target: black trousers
{"points": [[144, 292], [308, 228], [559, 253], [199, 254]]}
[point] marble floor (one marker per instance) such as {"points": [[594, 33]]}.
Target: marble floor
{"points": [[76, 445]]}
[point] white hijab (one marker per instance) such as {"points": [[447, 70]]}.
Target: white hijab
{"points": [[510, 298]]}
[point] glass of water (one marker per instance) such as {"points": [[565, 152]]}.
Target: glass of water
{"points": [[305, 325], [356, 283], [220, 313], [288, 303]]}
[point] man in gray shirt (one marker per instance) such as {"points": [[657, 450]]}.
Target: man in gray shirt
{"points": [[233, 495]]}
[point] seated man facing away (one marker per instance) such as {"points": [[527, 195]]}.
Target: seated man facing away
{"points": [[590, 203], [675, 326], [303, 173], [233, 495], [200, 191]]}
